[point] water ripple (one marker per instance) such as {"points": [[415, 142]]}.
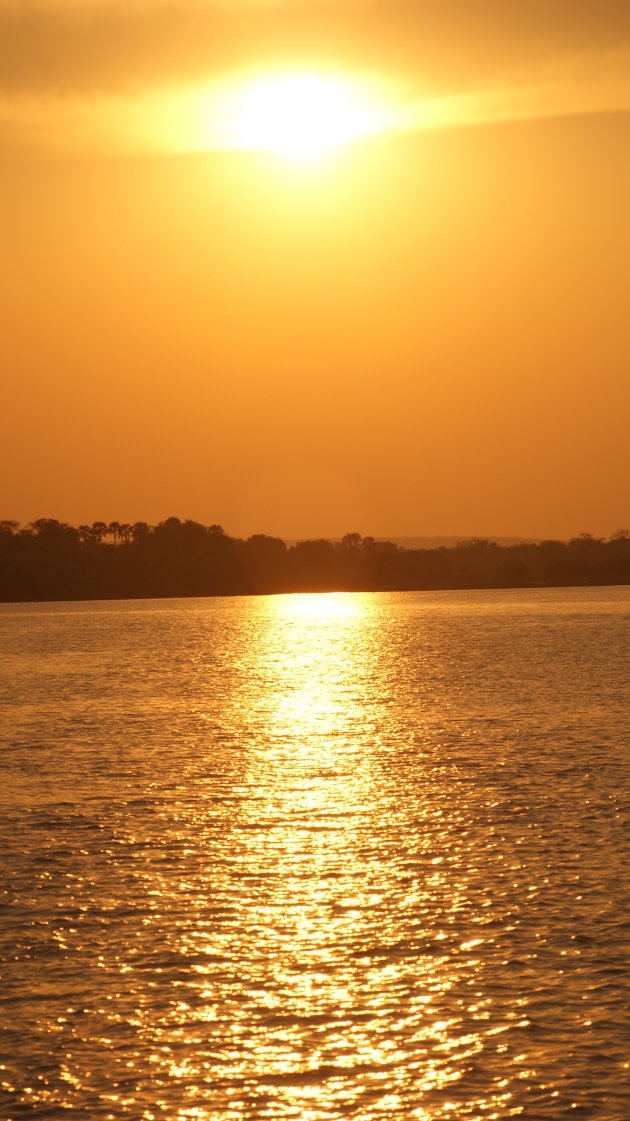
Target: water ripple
{"points": [[317, 856]]}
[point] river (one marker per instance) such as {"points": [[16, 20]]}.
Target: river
{"points": [[316, 857]]}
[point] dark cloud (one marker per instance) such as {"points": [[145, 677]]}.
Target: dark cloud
{"points": [[95, 46]]}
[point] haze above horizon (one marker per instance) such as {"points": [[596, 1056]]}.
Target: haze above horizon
{"points": [[302, 268]]}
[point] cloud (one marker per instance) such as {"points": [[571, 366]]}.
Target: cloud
{"points": [[94, 46], [121, 75]]}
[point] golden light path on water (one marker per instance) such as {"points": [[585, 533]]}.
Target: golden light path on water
{"points": [[332, 917], [301, 857]]}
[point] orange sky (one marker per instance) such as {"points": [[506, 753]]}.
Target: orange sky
{"points": [[426, 332]]}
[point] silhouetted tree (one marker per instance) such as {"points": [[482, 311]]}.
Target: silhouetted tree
{"points": [[139, 532], [99, 531], [351, 540], [512, 574], [49, 559], [264, 562]]}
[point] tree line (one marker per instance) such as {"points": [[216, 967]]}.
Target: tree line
{"points": [[51, 560]]}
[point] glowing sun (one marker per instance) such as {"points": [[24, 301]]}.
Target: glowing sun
{"points": [[301, 115]]}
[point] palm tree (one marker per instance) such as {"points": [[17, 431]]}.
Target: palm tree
{"points": [[114, 531], [99, 530]]}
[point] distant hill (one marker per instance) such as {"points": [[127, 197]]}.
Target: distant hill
{"points": [[435, 542], [451, 542]]}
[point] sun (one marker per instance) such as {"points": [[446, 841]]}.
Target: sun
{"points": [[301, 115]]}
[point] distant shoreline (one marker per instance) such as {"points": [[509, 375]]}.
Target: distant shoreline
{"points": [[316, 591], [50, 561]]}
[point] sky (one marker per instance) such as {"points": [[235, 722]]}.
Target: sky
{"points": [[308, 267]]}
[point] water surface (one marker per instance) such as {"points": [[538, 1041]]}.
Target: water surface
{"points": [[317, 857]]}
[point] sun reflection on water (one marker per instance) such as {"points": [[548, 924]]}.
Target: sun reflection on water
{"points": [[333, 938]]}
